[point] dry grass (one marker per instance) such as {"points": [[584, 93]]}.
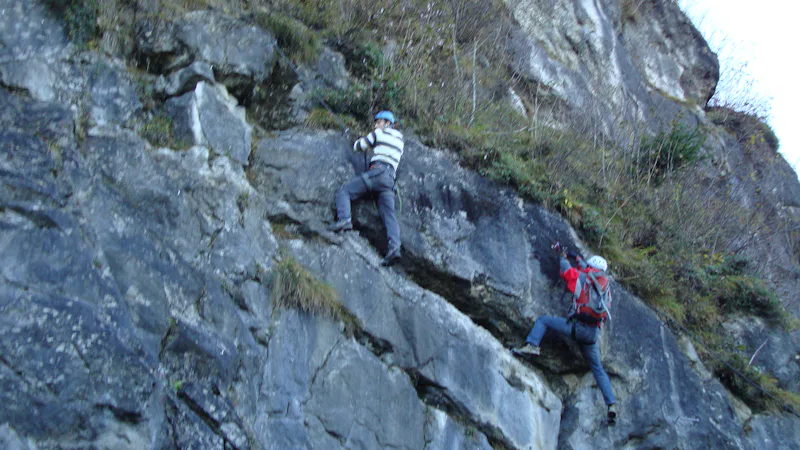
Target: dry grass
{"points": [[294, 286]]}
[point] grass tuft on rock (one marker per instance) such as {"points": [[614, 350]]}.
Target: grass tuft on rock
{"points": [[294, 286]]}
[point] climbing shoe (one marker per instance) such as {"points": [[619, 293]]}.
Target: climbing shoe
{"points": [[526, 349], [612, 412], [391, 256], [342, 225]]}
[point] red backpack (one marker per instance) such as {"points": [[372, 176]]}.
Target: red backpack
{"points": [[592, 302]]}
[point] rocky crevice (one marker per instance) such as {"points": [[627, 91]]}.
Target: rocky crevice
{"points": [[121, 414], [210, 408], [476, 298], [638, 438], [436, 396], [429, 392]]}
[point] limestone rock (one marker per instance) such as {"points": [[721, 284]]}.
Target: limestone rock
{"points": [[610, 68], [208, 116], [241, 55], [184, 80], [31, 41]]}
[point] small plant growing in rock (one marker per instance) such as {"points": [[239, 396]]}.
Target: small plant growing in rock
{"points": [[294, 286], [355, 100], [80, 19], [177, 385], [471, 433], [243, 201], [158, 130], [630, 9], [320, 118]]}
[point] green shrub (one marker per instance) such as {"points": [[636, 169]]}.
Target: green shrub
{"points": [[727, 264], [723, 281], [316, 14], [650, 275], [592, 225], [738, 385], [670, 151], [529, 177], [80, 19], [177, 385], [767, 397], [702, 271], [703, 313], [747, 127], [363, 59], [380, 85], [355, 101], [769, 136], [321, 118], [299, 43], [749, 295]]}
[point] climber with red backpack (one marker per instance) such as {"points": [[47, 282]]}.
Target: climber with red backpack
{"points": [[591, 303]]}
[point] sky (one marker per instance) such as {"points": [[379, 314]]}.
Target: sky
{"points": [[757, 39]]}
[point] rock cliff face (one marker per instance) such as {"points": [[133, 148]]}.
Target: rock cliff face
{"points": [[619, 63], [135, 299]]}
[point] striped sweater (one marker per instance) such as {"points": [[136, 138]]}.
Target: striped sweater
{"points": [[386, 145]]}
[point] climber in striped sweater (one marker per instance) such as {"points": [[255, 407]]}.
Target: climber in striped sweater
{"points": [[386, 144]]}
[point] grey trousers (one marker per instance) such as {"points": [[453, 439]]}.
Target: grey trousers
{"points": [[380, 180]]}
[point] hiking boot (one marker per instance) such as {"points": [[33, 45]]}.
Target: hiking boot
{"points": [[391, 256], [612, 412], [526, 349], [342, 225]]}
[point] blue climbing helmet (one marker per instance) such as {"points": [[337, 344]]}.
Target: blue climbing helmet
{"points": [[386, 115]]}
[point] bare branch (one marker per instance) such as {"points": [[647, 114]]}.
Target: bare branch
{"points": [[756, 352]]}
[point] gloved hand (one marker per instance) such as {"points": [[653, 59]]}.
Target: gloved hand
{"points": [[564, 251]]}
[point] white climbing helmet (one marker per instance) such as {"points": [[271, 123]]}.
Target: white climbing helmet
{"points": [[598, 262]]}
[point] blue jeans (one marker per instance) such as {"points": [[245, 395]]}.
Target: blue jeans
{"points": [[586, 335], [380, 180]]}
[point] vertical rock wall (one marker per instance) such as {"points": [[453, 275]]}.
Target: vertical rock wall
{"points": [[135, 301]]}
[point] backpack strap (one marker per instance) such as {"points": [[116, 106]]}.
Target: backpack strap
{"points": [[606, 290], [579, 285], [595, 283]]}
